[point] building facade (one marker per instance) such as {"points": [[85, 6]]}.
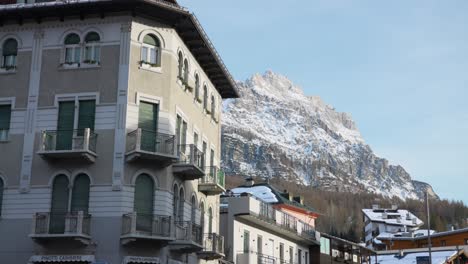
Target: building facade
{"points": [[110, 118]]}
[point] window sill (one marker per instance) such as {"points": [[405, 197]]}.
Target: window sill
{"points": [[81, 66], [10, 71], [147, 67]]}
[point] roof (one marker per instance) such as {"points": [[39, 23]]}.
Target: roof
{"points": [[269, 194], [438, 257], [185, 23], [347, 242], [399, 217], [423, 237]]}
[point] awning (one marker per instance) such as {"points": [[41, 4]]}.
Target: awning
{"points": [[61, 258], [138, 260]]}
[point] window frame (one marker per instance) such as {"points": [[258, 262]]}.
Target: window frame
{"points": [[94, 46], [5, 136], [14, 57], [76, 47], [149, 49]]}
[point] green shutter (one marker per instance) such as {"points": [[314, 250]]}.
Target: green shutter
{"points": [[1, 195], [66, 119], [148, 122], [143, 202], [5, 116], [59, 206], [80, 194], [86, 115]]}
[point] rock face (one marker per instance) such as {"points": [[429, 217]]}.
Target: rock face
{"points": [[275, 130]]}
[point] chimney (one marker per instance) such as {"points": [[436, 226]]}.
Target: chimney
{"points": [[299, 199], [249, 181]]}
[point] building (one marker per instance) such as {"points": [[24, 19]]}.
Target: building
{"points": [[457, 237], [110, 133], [335, 250], [387, 220], [260, 225], [441, 255]]}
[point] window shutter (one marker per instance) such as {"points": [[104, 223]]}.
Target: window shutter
{"points": [[86, 115], [148, 122], [5, 116], [80, 194], [144, 201], [66, 118], [59, 207]]}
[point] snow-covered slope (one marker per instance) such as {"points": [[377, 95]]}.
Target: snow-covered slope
{"points": [[274, 130]]}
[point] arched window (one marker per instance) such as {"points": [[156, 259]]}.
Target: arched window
{"points": [[197, 87], [213, 106], [59, 205], [80, 194], [205, 97], [181, 204], [194, 209], [151, 51], [202, 216], [9, 53], [72, 49], [210, 220], [181, 65], [175, 202], [2, 185], [186, 71], [143, 202], [92, 48]]}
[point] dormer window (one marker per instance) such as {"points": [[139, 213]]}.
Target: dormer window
{"points": [[151, 51], [9, 53], [72, 49], [92, 48]]}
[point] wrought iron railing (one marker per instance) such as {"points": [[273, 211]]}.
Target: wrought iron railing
{"points": [[147, 224], [213, 242], [150, 141], [188, 231], [68, 140], [213, 175], [50, 223], [190, 154]]}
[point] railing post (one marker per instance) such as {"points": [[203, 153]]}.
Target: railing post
{"points": [[138, 140], [133, 217], [86, 136], [79, 220]]}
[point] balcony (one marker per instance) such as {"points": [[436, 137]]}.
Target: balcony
{"points": [[257, 258], [61, 226], [146, 227], [190, 163], [213, 182], [150, 146], [213, 247], [188, 237], [69, 144]]}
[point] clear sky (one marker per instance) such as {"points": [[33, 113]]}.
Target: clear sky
{"points": [[399, 67]]}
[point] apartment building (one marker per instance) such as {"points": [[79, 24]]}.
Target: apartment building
{"points": [[393, 220], [262, 226], [110, 116]]}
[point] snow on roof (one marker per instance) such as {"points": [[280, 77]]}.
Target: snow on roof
{"points": [[393, 217], [263, 193], [438, 257]]}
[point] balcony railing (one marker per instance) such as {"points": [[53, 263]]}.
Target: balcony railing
{"points": [[61, 225], [150, 145], [213, 247], [79, 143], [188, 236], [190, 163], [146, 226], [213, 181]]}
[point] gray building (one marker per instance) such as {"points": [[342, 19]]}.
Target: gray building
{"points": [[110, 115]]}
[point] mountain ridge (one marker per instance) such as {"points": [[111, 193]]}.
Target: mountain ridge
{"points": [[275, 130]]}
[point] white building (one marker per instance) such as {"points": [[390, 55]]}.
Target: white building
{"points": [[389, 221]]}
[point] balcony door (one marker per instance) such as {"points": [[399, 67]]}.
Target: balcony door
{"points": [[66, 122], [143, 202], [59, 206], [148, 123]]}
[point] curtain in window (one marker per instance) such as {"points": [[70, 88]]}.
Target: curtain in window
{"points": [[72, 48], [150, 50], [92, 49]]}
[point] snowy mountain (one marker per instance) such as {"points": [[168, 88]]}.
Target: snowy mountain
{"points": [[274, 130]]}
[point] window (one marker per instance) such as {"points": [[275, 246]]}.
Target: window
{"points": [[325, 245], [299, 256], [246, 241], [259, 248], [151, 51], [2, 185], [466, 241], [72, 49], [5, 116], [195, 139], [92, 48], [213, 106], [193, 209], [443, 243], [212, 154], [306, 257], [210, 220], [181, 204], [181, 134], [67, 133], [202, 216], [203, 162], [180, 65], [205, 97], [281, 253], [148, 123], [197, 87], [186, 71], [9, 53], [143, 202], [175, 202], [291, 255]]}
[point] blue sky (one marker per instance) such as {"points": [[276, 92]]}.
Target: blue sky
{"points": [[399, 67]]}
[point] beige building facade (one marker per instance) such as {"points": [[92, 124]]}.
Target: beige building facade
{"points": [[110, 133]]}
